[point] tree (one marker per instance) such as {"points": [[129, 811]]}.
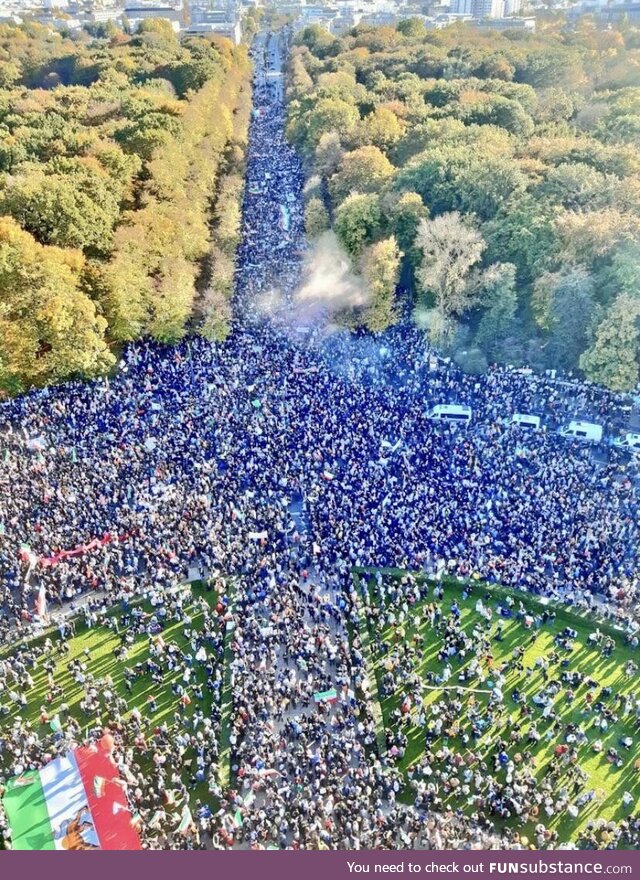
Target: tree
{"points": [[380, 265], [497, 67], [160, 26], [49, 329], [503, 112], [172, 301], [499, 300], [191, 73], [549, 65], [363, 170], [433, 176], [9, 74], [612, 358], [523, 233], [329, 153], [357, 221], [412, 28], [485, 185], [69, 210], [454, 178], [382, 128], [624, 270], [377, 39], [330, 115], [555, 105], [576, 186], [228, 213], [319, 41], [404, 212], [299, 77], [316, 217], [216, 303], [124, 290], [450, 248], [471, 360], [251, 24], [563, 305], [340, 84], [589, 235]]}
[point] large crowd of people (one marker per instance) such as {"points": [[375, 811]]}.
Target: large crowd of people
{"points": [[167, 747], [511, 709], [282, 458]]}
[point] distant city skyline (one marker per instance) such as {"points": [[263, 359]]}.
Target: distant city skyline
{"points": [[225, 17]]}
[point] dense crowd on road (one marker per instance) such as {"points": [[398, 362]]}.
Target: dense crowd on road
{"points": [[189, 460]]}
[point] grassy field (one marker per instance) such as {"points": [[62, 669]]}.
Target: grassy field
{"points": [[95, 648], [425, 642]]}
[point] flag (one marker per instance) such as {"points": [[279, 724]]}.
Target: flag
{"points": [[41, 602], [329, 696], [36, 444], [55, 724], [99, 785], [186, 820], [238, 821], [284, 220], [57, 808], [26, 554]]}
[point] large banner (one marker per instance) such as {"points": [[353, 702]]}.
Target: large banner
{"points": [[46, 561], [75, 802]]}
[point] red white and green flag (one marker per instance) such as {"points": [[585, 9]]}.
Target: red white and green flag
{"points": [[26, 554], [74, 802], [329, 696]]}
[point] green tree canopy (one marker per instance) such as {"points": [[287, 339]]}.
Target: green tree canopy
{"points": [[77, 210], [357, 221], [612, 358], [380, 265], [362, 170]]}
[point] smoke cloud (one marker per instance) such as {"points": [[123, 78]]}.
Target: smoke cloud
{"points": [[329, 284]]}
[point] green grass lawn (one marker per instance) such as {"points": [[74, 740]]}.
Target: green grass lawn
{"points": [[95, 647], [609, 781]]}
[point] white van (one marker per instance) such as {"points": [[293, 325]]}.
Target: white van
{"points": [[586, 431], [630, 442], [451, 412], [526, 420]]}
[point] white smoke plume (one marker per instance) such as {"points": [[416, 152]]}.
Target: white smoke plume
{"points": [[329, 284]]}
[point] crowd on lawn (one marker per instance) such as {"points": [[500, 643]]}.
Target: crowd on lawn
{"points": [[503, 734], [193, 459], [161, 754]]}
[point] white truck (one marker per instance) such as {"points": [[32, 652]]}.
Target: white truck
{"points": [[451, 412], [588, 432], [526, 420], [630, 442]]}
